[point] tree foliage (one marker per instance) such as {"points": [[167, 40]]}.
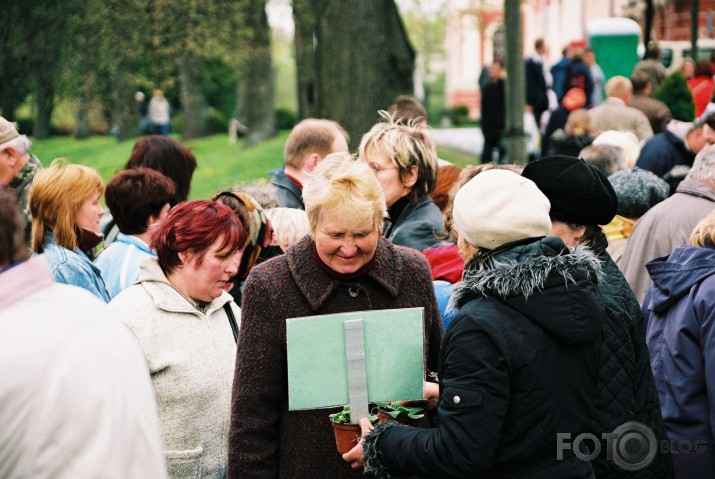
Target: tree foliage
{"points": [[674, 92]]}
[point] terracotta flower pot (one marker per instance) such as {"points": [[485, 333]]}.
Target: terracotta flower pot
{"points": [[346, 436]]}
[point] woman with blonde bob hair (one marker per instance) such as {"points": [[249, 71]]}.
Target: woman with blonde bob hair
{"points": [[680, 332], [65, 210], [343, 265], [404, 160]]}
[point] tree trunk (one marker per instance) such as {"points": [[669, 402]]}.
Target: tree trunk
{"points": [[8, 104], [44, 100], [192, 98], [305, 13], [255, 77], [364, 60], [515, 101], [127, 118]]}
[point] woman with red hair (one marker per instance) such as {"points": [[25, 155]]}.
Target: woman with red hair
{"points": [[186, 325]]}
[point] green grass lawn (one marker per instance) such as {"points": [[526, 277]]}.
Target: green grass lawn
{"points": [[220, 165]]}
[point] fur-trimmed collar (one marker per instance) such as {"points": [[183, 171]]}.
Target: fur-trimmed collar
{"points": [[524, 270]]}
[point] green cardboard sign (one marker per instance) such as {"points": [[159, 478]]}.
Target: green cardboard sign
{"points": [[317, 367]]}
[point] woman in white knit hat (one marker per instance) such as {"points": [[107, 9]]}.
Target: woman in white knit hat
{"points": [[519, 363]]}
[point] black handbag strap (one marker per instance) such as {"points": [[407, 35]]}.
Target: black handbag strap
{"points": [[231, 320]]}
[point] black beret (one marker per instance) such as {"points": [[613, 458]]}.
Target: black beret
{"points": [[579, 193]]}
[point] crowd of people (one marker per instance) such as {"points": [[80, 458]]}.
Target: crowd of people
{"points": [[571, 296]]}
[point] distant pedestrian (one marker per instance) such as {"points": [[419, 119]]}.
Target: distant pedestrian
{"points": [[652, 66], [536, 97], [597, 76], [615, 113], [702, 86], [159, 113], [143, 109], [558, 73], [657, 112], [493, 115], [578, 75]]}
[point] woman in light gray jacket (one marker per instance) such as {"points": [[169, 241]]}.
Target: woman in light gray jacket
{"points": [[186, 325]]}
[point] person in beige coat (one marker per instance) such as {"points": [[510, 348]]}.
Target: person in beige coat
{"points": [[181, 316], [616, 114]]}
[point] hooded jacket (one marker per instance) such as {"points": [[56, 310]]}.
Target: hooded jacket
{"points": [[518, 365], [190, 355], [680, 333]]}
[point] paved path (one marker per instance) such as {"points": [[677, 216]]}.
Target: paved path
{"points": [[469, 140]]}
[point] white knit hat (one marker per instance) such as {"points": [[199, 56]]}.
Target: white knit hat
{"points": [[499, 206]]}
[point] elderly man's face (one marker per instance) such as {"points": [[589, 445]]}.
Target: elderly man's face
{"points": [[708, 135], [7, 172], [696, 140]]}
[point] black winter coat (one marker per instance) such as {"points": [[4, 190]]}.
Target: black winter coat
{"points": [[626, 388], [518, 365]]}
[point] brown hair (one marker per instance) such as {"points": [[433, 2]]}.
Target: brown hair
{"points": [[12, 237], [168, 157], [406, 109]]}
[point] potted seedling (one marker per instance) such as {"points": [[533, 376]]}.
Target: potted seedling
{"points": [[396, 411], [346, 434]]}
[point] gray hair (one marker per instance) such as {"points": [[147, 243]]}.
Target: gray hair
{"points": [[21, 144], [606, 158], [704, 166]]}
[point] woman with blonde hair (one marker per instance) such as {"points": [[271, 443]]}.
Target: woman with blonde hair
{"points": [[576, 135], [65, 209], [343, 265], [404, 160], [679, 311]]}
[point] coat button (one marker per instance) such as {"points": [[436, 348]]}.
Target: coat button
{"points": [[353, 292], [456, 399]]}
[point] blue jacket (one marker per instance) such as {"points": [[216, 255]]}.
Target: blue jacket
{"points": [[662, 152], [679, 309], [119, 262], [443, 293], [74, 268], [417, 225]]}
